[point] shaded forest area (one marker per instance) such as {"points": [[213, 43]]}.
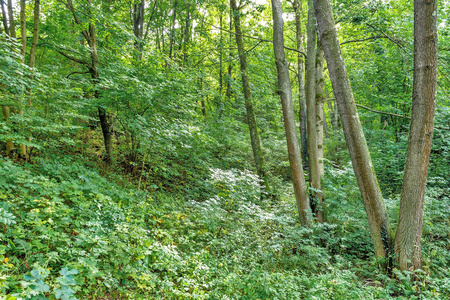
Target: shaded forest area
{"points": [[206, 149]]}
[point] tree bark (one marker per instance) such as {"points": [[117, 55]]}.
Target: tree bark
{"points": [[311, 113], [23, 31], [4, 17], [12, 25], [356, 143], [407, 239], [320, 114], [254, 135], [138, 26], [5, 108], [295, 161], [172, 31], [297, 6], [90, 37]]}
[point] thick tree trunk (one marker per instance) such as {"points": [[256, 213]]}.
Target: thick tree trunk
{"points": [[297, 5], [409, 233], [311, 114], [254, 135], [138, 26], [320, 114], [284, 85], [356, 142]]}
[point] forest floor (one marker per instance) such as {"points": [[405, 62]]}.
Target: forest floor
{"points": [[71, 230]]}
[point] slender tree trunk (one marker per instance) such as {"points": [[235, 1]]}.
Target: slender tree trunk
{"points": [[254, 135], [172, 31], [23, 31], [297, 5], [311, 114], [356, 143], [409, 233], [187, 34], [5, 108], [12, 25], [5, 18], [325, 125], [104, 117], [6, 115], [332, 110], [220, 55], [295, 161], [320, 114], [230, 60], [34, 42]]}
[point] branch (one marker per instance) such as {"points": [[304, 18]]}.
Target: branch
{"points": [[383, 113], [77, 72], [77, 60], [254, 38], [363, 40], [386, 113], [149, 20]]}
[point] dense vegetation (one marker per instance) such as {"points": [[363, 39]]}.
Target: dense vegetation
{"points": [[177, 210]]}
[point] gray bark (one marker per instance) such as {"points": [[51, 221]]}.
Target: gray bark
{"points": [[297, 5], [4, 17], [295, 161], [311, 112], [12, 25], [409, 233], [356, 142]]}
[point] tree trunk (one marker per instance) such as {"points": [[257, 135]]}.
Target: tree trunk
{"points": [[230, 60], [320, 120], [104, 118], [172, 31], [12, 25], [23, 31], [356, 143], [297, 6], [407, 239], [5, 19], [34, 42], [6, 115], [138, 26], [284, 85], [255, 139], [311, 114], [5, 108]]}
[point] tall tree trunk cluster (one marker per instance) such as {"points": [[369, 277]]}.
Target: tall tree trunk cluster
{"points": [[407, 239], [284, 85]]}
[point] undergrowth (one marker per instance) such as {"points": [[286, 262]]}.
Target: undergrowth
{"points": [[68, 232]]}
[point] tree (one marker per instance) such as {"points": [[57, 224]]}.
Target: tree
{"points": [[284, 85], [359, 153], [89, 35], [297, 6], [409, 232], [254, 135], [311, 112]]}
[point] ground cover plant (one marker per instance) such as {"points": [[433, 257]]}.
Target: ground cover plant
{"points": [[212, 149]]}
